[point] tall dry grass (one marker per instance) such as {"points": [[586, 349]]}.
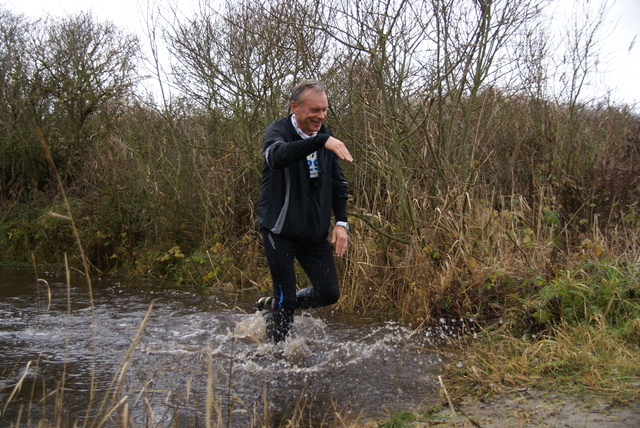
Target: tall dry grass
{"points": [[582, 359], [468, 199], [172, 202], [461, 188]]}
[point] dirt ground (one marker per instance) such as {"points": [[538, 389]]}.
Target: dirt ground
{"points": [[535, 410]]}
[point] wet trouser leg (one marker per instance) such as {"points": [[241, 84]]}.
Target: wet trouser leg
{"points": [[317, 261], [319, 265]]}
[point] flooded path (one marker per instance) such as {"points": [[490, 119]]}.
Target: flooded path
{"points": [[194, 360]]}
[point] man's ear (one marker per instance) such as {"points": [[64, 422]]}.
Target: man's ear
{"points": [[294, 106]]}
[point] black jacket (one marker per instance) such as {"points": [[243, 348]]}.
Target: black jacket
{"points": [[291, 202]]}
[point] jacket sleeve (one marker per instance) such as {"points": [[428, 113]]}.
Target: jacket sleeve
{"points": [[340, 192], [280, 151]]}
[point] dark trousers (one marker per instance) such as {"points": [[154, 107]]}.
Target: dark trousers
{"points": [[317, 262]]}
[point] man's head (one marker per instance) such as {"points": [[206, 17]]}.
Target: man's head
{"points": [[309, 103]]}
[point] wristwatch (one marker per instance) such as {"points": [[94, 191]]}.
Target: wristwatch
{"points": [[343, 224]]}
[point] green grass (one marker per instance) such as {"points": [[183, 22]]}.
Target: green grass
{"points": [[585, 342]]}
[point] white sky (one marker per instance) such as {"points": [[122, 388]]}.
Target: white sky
{"points": [[620, 55]]}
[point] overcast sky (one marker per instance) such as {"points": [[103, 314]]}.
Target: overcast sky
{"points": [[620, 54]]}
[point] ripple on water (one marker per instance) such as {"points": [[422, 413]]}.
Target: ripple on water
{"points": [[190, 340]]}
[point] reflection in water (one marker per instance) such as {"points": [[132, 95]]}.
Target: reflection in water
{"points": [[200, 358]]}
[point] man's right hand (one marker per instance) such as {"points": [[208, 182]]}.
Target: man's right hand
{"points": [[339, 149]]}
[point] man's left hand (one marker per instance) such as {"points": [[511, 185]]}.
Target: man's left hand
{"points": [[340, 238]]}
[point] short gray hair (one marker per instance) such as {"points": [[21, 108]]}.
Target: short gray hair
{"points": [[300, 88]]}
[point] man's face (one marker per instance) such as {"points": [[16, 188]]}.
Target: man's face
{"points": [[311, 111]]}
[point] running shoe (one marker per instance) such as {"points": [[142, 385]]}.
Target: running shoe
{"points": [[265, 303], [265, 306]]}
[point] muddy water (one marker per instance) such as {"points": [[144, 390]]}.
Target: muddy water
{"points": [[65, 359]]}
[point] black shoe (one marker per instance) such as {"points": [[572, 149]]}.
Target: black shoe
{"points": [[265, 304], [278, 321]]}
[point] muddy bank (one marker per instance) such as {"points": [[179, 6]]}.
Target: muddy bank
{"points": [[533, 409]]}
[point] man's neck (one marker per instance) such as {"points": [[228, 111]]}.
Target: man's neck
{"points": [[299, 130]]}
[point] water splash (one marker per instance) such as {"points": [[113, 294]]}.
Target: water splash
{"points": [[367, 368]]}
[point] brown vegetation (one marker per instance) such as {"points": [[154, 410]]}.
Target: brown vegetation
{"points": [[473, 187]]}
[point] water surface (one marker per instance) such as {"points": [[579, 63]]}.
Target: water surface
{"points": [[75, 361]]}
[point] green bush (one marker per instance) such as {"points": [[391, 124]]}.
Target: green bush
{"points": [[597, 289]]}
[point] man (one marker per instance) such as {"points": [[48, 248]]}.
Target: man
{"points": [[302, 183]]}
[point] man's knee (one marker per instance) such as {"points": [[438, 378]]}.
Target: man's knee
{"points": [[331, 296]]}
